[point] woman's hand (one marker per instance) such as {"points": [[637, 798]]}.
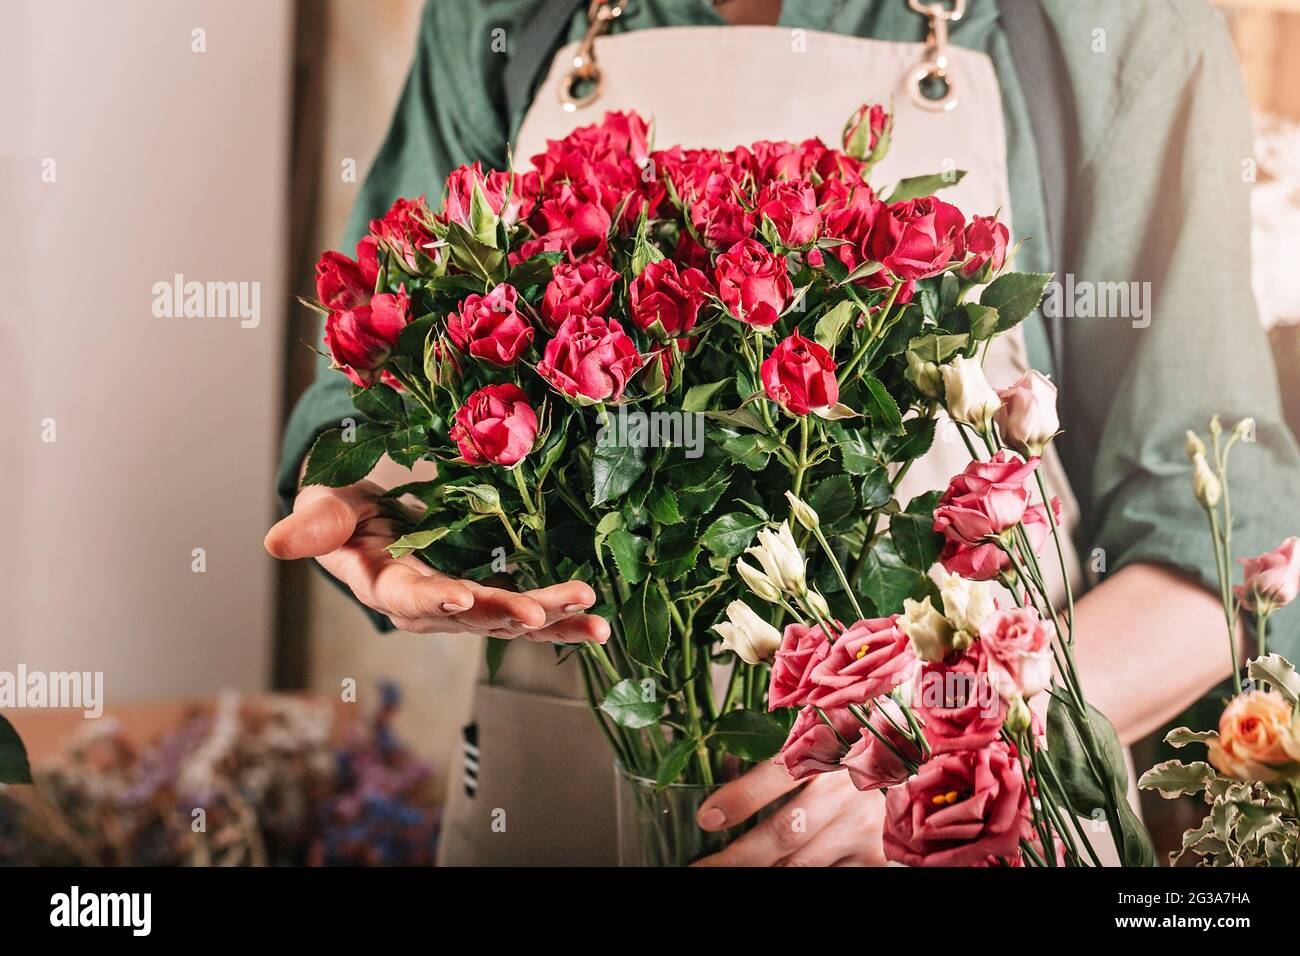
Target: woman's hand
{"points": [[347, 531], [828, 823]]}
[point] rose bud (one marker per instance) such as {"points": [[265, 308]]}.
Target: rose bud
{"points": [[959, 809], [986, 243], [496, 426], [590, 359], [492, 203], [404, 229], [791, 206], [577, 288], [753, 284], [1256, 739], [968, 396], [1027, 420], [360, 339], [490, 328], [866, 134], [752, 638], [916, 239], [664, 298], [929, 631], [815, 746], [867, 661], [799, 376], [343, 284], [1272, 580], [1018, 645]]}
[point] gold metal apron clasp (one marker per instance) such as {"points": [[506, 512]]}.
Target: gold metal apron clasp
{"points": [[934, 65], [586, 70]]}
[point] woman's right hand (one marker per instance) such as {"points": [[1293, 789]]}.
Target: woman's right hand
{"points": [[347, 531]]}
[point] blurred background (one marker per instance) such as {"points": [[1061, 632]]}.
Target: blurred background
{"points": [[226, 141]]}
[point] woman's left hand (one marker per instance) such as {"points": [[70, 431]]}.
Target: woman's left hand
{"points": [[827, 823]]}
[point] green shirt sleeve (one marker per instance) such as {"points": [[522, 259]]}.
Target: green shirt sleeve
{"points": [[1161, 201]]}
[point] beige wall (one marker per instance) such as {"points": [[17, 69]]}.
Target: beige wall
{"points": [[164, 160]]}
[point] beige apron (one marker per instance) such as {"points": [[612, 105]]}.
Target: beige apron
{"points": [[537, 786]]}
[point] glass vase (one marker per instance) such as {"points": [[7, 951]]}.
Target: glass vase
{"points": [[656, 827]]}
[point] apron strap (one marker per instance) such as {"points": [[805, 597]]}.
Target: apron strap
{"points": [[543, 35], [1037, 60]]}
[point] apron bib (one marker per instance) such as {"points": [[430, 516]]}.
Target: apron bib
{"points": [[536, 785]]}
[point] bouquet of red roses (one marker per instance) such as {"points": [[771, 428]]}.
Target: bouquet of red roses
{"points": [[624, 359]]}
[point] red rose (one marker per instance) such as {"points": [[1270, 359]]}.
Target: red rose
{"points": [[958, 810], [590, 358], [718, 216], [867, 661], [495, 185], [403, 230], [792, 208], [815, 746], [672, 298], [863, 132], [916, 239], [360, 339], [344, 284], [769, 161], [986, 243], [957, 702], [802, 649], [490, 328], [496, 425], [848, 209], [572, 218], [753, 284], [799, 376], [583, 288]]}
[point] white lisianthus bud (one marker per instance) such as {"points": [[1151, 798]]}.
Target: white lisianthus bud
{"points": [[802, 512], [1194, 445], [781, 559], [969, 397], [967, 603], [1027, 420], [924, 375], [1205, 482], [817, 604], [757, 582], [1019, 718], [1244, 429], [1216, 426], [752, 638], [929, 631]]}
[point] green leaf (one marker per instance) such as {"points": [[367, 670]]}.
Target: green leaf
{"points": [[833, 499], [1181, 737], [535, 270], [881, 407], [731, 534], [917, 187], [752, 450], [628, 550], [749, 734], [830, 327], [1015, 295], [937, 348], [645, 625], [698, 396], [614, 469], [677, 551], [886, 579], [475, 256], [675, 760], [1277, 670], [913, 532], [416, 541], [494, 653], [877, 489], [632, 703], [334, 462], [380, 403], [983, 321], [1173, 778], [662, 505], [13, 755]]}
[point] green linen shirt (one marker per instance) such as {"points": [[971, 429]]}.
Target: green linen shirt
{"points": [[1163, 136]]}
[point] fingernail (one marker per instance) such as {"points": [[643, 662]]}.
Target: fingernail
{"points": [[455, 608], [515, 623], [712, 819], [574, 608]]}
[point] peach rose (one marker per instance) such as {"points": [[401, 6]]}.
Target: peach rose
{"points": [[1257, 739]]}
